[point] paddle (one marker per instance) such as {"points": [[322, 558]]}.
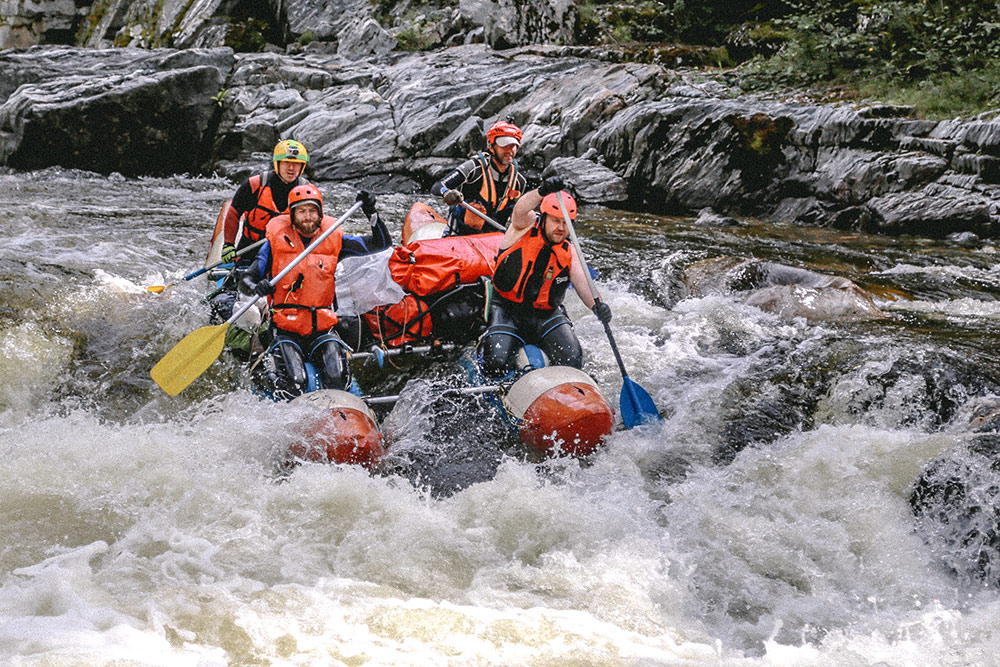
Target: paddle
{"points": [[482, 215], [461, 391], [159, 289], [199, 349], [636, 404]]}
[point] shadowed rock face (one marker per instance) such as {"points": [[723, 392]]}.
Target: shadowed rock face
{"points": [[138, 112], [631, 135]]}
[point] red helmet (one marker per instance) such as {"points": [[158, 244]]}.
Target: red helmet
{"points": [[305, 194], [550, 205], [502, 128]]}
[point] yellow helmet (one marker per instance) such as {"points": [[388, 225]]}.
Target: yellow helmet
{"points": [[290, 150]]}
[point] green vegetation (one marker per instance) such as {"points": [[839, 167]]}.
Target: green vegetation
{"points": [[91, 21], [940, 56], [247, 35], [417, 26]]}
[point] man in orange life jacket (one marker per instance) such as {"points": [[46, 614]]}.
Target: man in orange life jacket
{"points": [[304, 301], [257, 200], [488, 181], [535, 265], [262, 197]]}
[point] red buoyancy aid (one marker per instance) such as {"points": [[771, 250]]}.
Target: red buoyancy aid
{"points": [[264, 210], [303, 301], [533, 271], [435, 265]]}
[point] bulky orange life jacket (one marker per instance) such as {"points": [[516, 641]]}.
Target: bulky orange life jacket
{"points": [[495, 200], [304, 300], [265, 209], [533, 271]]}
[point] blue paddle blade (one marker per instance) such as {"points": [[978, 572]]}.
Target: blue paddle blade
{"points": [[637, 405]]}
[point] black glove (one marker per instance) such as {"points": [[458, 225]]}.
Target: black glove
{"points": [[452, 197], [367, 200], [247, 285], [228, 253], [603, 311], [264, 288], [550, 185]]}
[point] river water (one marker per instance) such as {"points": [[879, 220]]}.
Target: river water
{"points": [[765, 521]]}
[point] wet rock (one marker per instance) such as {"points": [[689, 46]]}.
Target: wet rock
{"points": [[803, 210], [815, 304], [956, 505], [847, 381], [965, 239], [634, 135], [364, 37], [323, 19], [710, 218], [510, 23], [154, 120], [921, 214], [592, 183], [44, 21], [786, 291]]}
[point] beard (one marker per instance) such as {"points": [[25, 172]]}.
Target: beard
{"points": [[306, 229]]}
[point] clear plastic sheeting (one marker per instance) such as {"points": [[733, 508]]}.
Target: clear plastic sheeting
{"points": [[365, 282]]}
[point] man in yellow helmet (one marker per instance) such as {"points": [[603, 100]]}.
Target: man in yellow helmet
{"points": [[262, 197], [258, 199]]}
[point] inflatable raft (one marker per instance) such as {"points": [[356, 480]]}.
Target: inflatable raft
{"points": [[433, 290], [555, 410]]}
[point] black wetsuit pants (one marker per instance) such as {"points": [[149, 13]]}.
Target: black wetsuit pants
{"points": [[325, 350], [512, 326]]}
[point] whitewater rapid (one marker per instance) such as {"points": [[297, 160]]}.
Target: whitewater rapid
{"points": [[144, 529]]}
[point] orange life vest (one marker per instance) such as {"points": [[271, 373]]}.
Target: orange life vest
{"points": [[257, 218], [533, 271], [304, 300], [494, 200]]}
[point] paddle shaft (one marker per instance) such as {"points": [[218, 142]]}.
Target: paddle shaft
{"points": [[464, 391], [284, 272], [590, 282], [241, 251], [414, 349], [482, 215]]}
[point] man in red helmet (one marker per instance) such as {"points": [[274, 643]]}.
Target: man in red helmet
{"points": [[535, 265], [303, 303], [488, 181]]}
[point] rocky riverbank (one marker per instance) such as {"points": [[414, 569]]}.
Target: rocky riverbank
{"points": [[629, 135]]}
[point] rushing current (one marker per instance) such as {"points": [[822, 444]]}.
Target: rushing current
{"points": [[766, 520]]}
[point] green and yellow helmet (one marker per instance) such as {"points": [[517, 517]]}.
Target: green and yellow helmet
{"points": [[290, 150]]}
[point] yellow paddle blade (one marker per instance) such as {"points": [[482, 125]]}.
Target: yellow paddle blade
{"points": [[156, 289], [189, 358]]}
